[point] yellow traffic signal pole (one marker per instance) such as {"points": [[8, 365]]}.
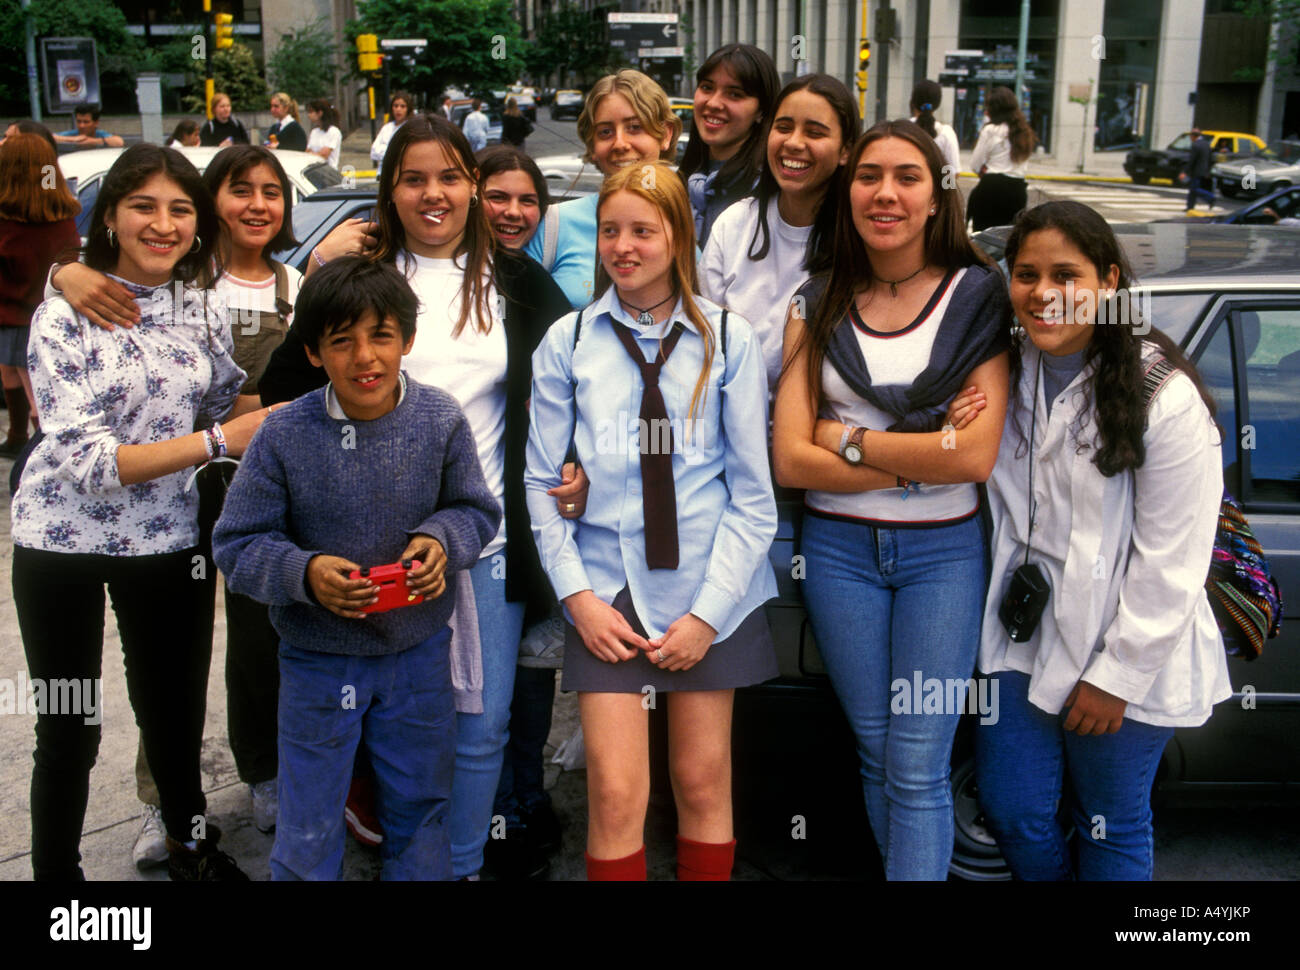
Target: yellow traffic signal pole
{"points": [[368, 60], [208, 87], [864, 58]]}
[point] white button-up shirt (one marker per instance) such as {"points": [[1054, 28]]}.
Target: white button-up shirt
{"points": [[1127, 556]]}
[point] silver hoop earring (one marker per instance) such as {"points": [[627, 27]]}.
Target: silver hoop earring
{"points": [[473, 200], [198, 244], [112, 238]]}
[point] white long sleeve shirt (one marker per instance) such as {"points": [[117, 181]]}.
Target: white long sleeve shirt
{"points": [[994, 150], [1127, 556]]}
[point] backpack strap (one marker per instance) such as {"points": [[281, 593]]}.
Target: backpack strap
{"points": [[572, 453], [723, 328], [551, 240], [283, 306]]}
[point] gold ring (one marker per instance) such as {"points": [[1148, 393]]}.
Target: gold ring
{"points": [[571, 507]]}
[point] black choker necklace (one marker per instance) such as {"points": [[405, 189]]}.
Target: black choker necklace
{"points": [[644, 317], [893, 284]]}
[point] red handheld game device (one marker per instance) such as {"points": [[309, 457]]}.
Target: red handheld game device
{"points": [[391, 580]]}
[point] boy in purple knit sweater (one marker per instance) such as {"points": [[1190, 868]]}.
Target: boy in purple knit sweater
{"points": [[369, 470]]}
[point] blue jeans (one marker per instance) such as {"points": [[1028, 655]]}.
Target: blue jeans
{"points": [[481, 742], [401, 707], [886, 604], [1199, 186], [1020, 764]]}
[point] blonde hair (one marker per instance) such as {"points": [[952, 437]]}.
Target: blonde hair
{"points": [[648, 100], [288, 102], [658, 184]]}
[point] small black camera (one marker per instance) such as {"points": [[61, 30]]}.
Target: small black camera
{"points": [[1026, 598]]}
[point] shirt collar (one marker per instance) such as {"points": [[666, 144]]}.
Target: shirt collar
{"points": [[335, 410], [608, 304]]}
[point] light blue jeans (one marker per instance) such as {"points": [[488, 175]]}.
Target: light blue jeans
{"points": [[886, 604], [481, 738], [1020, 765]]}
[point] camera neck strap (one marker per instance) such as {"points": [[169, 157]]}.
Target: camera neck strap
{"points": [[1033, 428]]}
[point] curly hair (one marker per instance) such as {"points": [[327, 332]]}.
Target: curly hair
{"points": [[1116, 349]]}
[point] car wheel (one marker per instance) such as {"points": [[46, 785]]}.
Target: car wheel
{"points": [[975, 854], [1140, 178], [1229, 189]]}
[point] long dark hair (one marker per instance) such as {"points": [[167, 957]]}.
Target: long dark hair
{"points": [[926, 96], [1116, 347], [231, 163], [133, 168], [1005, 110], [329, 116], [756, 72], [946, 243], [478, 246], [817, 253]]}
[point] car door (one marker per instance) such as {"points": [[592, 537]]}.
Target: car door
{"points": [[1249, 355]]}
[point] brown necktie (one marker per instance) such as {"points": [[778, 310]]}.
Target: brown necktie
{"points": [[658, 493]]}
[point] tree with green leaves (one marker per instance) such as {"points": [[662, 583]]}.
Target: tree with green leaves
{"points": [[305, 61], [571, 40], [234, 71], [472, 43]]}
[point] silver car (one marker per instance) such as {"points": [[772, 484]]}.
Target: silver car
{"points": [[1277, 167]]}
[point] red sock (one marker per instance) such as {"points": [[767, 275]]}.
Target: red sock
{"points": [[704, 861], [630, 868]]}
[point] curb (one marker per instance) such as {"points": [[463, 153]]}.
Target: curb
{"points": [[1084, 177]]}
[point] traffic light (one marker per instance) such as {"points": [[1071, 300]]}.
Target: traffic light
{"points": [[864, 60], [225, 30], [368, 57]]}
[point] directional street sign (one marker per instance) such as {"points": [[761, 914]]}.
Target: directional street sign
{"points": [[632, 33]]}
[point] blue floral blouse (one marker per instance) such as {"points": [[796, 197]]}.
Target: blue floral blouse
{"points": [[170, 374]]}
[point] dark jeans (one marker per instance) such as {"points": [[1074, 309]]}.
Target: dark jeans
{"points": [[521, 788], [1198, 185], [164, 616]]}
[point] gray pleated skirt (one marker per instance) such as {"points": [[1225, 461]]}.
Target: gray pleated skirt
{"points": [[13, 346], [744, 658]]}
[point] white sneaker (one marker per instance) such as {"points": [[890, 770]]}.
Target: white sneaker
{"points": [[151, 844], [266, 804]]}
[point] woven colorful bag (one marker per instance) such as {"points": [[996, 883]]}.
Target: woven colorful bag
{"points": [[1243, 593]]}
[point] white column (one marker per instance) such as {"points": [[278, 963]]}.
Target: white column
{"points": [[781, 43], [1079, 42], [763, 38], [945, 22], [840, 18], [1177, 64], [728, 23]]}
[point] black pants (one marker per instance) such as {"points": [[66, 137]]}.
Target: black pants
{"points": [[996, 201], [164, 609], [252, 687]]}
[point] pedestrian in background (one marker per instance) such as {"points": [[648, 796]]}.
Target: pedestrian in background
{"points": [[1001, 158], [399, 109], [325, 139], [734, 94], [926, 96], [222, 129], [663, 594], [909, 314], [1196, 173], [475, 126], [36, 224], [1127, 649], [185, 134], [514, 126], [28, 127], [286, 132], [87, 132]]}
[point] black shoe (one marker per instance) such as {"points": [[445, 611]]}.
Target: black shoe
{"points": [[513, 859], [543, 828], [206, 863]]}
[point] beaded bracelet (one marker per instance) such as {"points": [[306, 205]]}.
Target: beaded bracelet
{"points": [[210, 443], [315, 254]]}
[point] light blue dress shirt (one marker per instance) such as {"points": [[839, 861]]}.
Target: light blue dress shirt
{"points": [[726, 513]]}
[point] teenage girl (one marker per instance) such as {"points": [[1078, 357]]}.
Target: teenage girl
{"points": [[1123, 501], [926, 96], [1001, 158], [399, 109], [254, 203], [908, 315], [734, 93], [103, 500], [664, 577], [286, 132], [762, 249], [627, 119], [482, 311], [325, 139], [185, 134], [515, 198]]}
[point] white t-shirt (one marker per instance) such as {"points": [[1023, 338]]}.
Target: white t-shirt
{"points": [[892, 358], [949, 148], [331, 139], [256, 296], [470, 367], [759, 291], [994, 150]]}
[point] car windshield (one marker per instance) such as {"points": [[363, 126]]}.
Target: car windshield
{"points": [[1283, 151], [322, 176], [568, 97], [1181, 143], [310, 213]]}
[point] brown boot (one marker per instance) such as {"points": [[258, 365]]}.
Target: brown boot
{"points": [[19, 414]]}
